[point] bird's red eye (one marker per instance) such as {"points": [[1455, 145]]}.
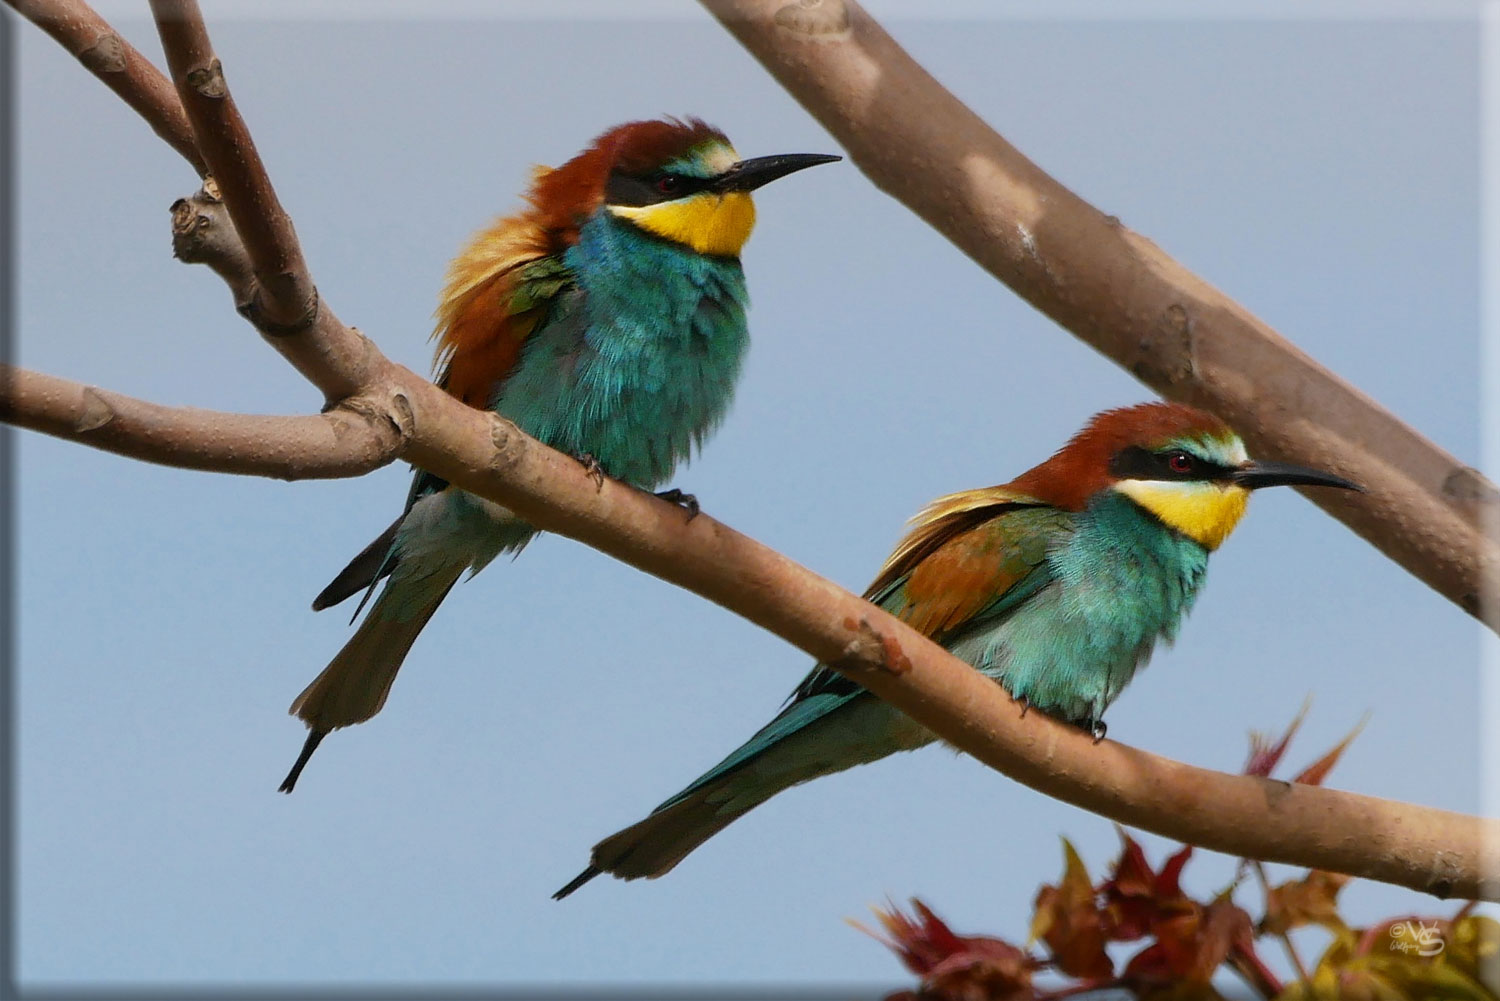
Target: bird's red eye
{"points": [[668, 184], [1180, 462]]}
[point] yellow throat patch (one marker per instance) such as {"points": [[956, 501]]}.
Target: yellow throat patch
{"points": [[717, 224], [1204, 512]]}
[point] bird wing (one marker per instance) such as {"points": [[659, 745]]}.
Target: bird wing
{"points": [[499, 289], [968, 559]]}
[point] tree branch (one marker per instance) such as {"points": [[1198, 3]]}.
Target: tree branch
{"points": [[1435, 851], [122, 68], [288, 301], [1423, 848], [1117, 291], [347, 441]]}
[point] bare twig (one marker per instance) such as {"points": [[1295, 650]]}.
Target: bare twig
{"points": [[1420, 847], [90, 39], [1117, 290], [342, 442]]}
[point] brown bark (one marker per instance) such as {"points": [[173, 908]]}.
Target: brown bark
{"points": [[1117, 291]]}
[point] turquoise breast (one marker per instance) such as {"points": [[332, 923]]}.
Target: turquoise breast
{"points": [[636, 364], [1121, 581]]}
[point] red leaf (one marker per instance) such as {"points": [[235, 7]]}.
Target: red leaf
{"points": [[1135, 898], [1312, 899], [1069, 920], [954, 967], [1264, 756], [1167, 881], [1315, 773], [1188, 948]]}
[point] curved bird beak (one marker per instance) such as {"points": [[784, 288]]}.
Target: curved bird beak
{"points": [[1254, 475], [747, 175]]}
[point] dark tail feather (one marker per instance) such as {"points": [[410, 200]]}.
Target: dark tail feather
{"points": [[654, 846], [353, 686], [309, 746], [363, 571], [577, 881]]}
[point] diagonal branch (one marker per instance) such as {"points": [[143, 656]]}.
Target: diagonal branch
{"points": [[1118, 291], [1435, 851], [90, 39], [282, 301], [287, 300], [1419, 847]]}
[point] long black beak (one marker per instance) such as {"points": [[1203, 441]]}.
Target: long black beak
{"points": [[747, 175], [1254, 475]]}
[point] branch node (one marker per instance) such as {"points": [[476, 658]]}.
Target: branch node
{"points": [[508, 442], [208, 81], [872, 650], [821, 20], [1165, 351], [256, 313], [1468, 484], [402, 416], [106, 55], [96, 412]]}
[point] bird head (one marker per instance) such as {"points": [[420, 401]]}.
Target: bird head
{"points": [[1185, 466], [678, 180]]}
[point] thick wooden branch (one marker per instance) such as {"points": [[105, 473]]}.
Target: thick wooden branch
{"points": [[343, 442], [1423, 848], [1426, 849], [90, 39], [1119, 292]]}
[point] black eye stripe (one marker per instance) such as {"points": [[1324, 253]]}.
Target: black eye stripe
{"points": [[646, 189], [1136, 463]]}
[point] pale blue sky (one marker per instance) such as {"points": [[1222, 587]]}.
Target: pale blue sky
{"points": [[1322, 172]]}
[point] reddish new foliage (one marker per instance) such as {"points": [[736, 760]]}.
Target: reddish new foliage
{"points": [[1135, 898], [1185, 941], [954, 967]]}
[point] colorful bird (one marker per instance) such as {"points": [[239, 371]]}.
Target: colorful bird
{"points": [[1057, 584], [607, 320]]}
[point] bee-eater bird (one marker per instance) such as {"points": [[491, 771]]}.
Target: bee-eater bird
{"points": [[607, 320], [1056, 584]]}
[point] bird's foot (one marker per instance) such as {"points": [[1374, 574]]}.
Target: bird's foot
{"points": [[593, 468], [687, 502], [1025, 704], [1096, 728]]}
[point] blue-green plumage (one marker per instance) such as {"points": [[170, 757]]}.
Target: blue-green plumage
{"points": [[1107, 583], [638, 357], [1116, 581], [607, 321], [632, 364], [1057, 585]]}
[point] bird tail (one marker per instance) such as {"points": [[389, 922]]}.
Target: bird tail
{"points": [[814, 736], [354, 685], [654, 846], [373, 562]]}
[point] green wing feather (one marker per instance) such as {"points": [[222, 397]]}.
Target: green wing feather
{"points": [[997, 551]]}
